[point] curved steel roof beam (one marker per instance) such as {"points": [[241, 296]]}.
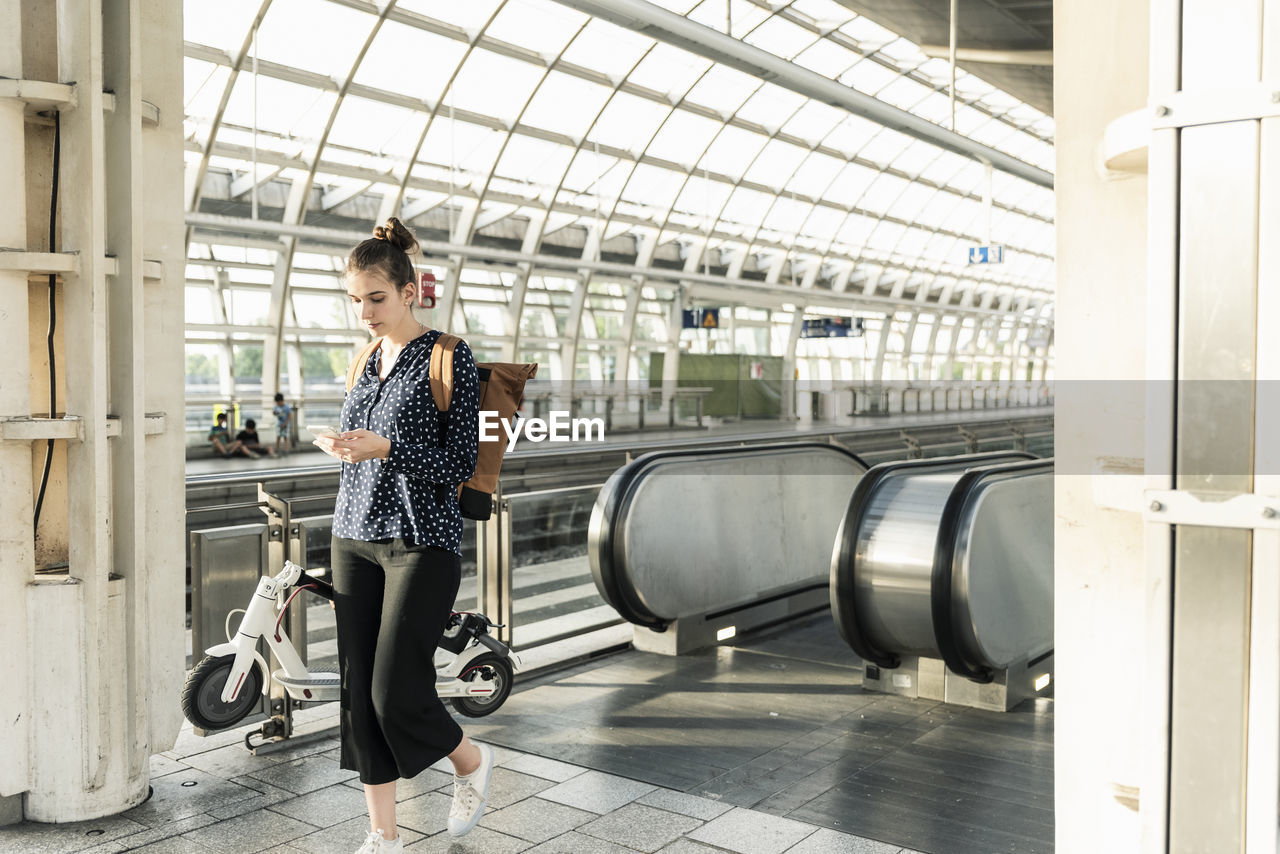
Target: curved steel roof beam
{"points": [[657, 23]]}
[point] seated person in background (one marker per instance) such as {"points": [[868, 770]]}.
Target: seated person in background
{"points": [[249, 438], [221, 439]]}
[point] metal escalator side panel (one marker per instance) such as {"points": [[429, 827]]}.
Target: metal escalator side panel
{"points": [[844, 572], [877, 583], [992, 599], [604, 549], [734, 529], [657, 545]]}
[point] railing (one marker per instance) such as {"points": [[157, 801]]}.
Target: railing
{"points": [[897, 398]]}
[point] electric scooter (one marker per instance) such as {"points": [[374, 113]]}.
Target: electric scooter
{"points": [[472, 667]]}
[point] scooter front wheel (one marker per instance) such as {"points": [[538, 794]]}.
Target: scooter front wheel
{"points": [[478, 706], [202, 694]]}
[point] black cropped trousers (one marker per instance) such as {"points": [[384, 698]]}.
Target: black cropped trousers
{"points": [[392, 601]]}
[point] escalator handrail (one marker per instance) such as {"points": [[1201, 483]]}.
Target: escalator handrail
{"points": [[843, 565], [618, 493], [942, 586]]}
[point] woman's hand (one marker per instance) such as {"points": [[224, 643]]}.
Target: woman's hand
{"points": [[355, 446]]}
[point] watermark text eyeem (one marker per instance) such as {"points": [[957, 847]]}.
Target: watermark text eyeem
{"points": [[559, 428]]}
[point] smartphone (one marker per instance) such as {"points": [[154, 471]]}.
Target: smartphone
{"points": [[323, 430]]}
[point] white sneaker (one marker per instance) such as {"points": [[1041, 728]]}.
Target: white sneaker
{"points": [[469, 795], [375, 844]]}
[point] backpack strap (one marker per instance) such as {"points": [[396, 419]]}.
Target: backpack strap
{"points": [[441, 373], [357, 366]]}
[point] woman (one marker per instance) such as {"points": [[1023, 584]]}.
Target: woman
{"points": [[397, 534]]}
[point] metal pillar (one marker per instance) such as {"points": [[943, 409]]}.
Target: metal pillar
{"points": [[493, 566], [283, 543], [1213, 763]]}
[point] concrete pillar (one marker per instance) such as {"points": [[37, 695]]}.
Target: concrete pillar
{"points": [[17, 544], [1100, 74], [95, 638]]}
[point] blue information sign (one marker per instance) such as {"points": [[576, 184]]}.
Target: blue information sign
{"points": [[700, 318], [831, 327], [986, 254]]}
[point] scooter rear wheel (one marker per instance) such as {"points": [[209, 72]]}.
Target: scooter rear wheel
{"points": [[202, 694], [478, 706]]}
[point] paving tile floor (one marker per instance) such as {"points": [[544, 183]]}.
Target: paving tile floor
{"points": [[212, 795]]}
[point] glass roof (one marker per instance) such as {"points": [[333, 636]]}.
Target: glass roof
{"points": [[530, 112]]}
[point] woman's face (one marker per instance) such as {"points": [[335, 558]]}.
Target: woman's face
{"points": [[380, 306]]}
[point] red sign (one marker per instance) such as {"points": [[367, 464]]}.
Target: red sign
{"points": [[427, 291]]}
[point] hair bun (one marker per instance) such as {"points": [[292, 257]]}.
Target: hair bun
{"points": [[395, 233]]}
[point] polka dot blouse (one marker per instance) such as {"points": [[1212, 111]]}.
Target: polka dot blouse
{"points": [[401, 495]]}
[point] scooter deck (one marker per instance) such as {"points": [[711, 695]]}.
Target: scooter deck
{"points": [[314, 680]]}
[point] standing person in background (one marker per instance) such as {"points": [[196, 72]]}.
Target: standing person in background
{"points": [[284, 423], [396, 555]]}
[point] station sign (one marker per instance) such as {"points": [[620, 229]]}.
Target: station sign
{"points": [[832, 327], [993, 254], [700, 318]]}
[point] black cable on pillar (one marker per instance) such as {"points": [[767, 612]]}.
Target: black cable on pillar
{"points": [[53, 310]]}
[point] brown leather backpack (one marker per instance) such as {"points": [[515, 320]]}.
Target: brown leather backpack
{"points": [[501, 387]]}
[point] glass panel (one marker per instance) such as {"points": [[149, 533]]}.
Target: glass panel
{"points": [[203, 84], [218, 24], [484, 319], [607, 48], [825, 223], [372, 126], [852, 135], [473, 147], [776, 164], [683, 138], [904, 93], [703, 199], [732, 152], [868, 76], [410, 61], [551, 582], [279, 41], [534, 160], [669, 70], [780, 37], [539, 26], [494, 85], [470, 15], [723, 89], [815, 175], [285, 108], [885, 147], [786, 215], [202, 368], [316, 311], [198, 305], [827, 58], [814, 121], [628, 122], [565, 104], [654, 187], [247, 308], [881, 195], [771, 106], [748, 206], [324, 369], [746, 16]]}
